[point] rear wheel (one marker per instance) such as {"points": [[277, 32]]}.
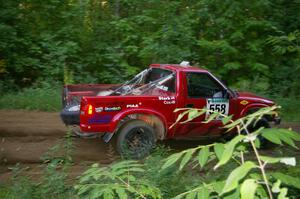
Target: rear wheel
{"points": [[136, 139]]}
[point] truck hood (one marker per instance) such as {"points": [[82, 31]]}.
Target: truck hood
{"points": [[255, 98]]}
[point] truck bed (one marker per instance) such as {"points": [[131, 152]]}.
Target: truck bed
{"points": [[72, 93]]}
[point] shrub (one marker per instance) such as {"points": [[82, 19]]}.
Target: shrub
{"points": [[44, 98]]}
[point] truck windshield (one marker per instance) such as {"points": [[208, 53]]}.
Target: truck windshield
{"points": [[147, 81]]}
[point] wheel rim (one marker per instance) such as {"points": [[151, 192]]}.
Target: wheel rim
{"points": [[137, 141]]}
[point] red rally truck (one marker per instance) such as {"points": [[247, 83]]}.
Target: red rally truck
{"points": [[140, 111]]}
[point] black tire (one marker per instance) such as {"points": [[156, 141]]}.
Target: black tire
{"points": [[135, 139]]}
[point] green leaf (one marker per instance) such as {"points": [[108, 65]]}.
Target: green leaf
{"points": [[171, 160], [269, 159], [203, 156], [236, 175], [233, 194], [257, 143], [180, 116], [203, 193], [291, 37], [191, 195], [228, 151], [278, 136], [125, 164], [186, 158], [193, 113], [219, 149], [211, 117], [108, 194], [287, 179], [96, 193], [271, 135], [232, 125], [248, 189], [276, 186], [218, 186], [292, 134], [283, 194], [287, 139], [227, 119], [285, 160], [181, 109], [256, 176], [261, 191]]}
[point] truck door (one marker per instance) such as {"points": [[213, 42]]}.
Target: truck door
{"points": [[204, 90]]}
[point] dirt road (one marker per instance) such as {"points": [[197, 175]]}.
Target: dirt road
{"points": [[25, 137]]}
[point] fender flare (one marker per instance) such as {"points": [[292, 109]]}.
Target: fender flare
{"points": [[250, 106], [116, 119]]}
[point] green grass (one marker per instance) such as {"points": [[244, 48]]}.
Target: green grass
{"points": [[5, 192], [41, 99], [52, 185]]}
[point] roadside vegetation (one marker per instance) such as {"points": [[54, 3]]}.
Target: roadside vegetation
{"points": [[44, 97], [169, 182], [238, 168], [290, 109]]}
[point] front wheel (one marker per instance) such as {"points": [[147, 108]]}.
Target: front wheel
{"points": [[136, 139], [264, 144]]}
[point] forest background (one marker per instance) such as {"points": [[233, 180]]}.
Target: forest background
{"points": [[252, 45]]}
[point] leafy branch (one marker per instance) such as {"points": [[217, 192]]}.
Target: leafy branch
{"points": [[117, 180], [225, 152]]}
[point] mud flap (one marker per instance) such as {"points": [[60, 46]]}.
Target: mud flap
{"points": [[107, 137]]}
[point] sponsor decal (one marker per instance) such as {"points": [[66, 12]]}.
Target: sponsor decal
{"points": [[100, 119], [244, 102], [99, 109], [133, 105], [167, 99], [162, 98], [220, 105], [113, 108], [169, 102]]}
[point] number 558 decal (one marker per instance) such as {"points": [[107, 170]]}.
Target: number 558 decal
{"points": [[220, 105]]}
